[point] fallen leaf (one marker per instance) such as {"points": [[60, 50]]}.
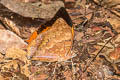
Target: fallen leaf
{"points": [[25, 70], [16, 53], [10, 66], [16, 67], [115, 22], [46, 12], [89, 16], [19, 54], [1, 77], [10, 40], [68, 75], [115, 54], [107, 3], [79, 35], [39, 77]]}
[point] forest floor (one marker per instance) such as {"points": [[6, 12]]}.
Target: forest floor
{"points": [[95, 44]]}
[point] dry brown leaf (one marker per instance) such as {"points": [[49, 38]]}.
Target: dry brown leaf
{"points": [[68, 75], [80, 3], [115, 54], [25, 70], [8, 40], [19, 54], [69, 3], [108, 3], [14, 67], [89, 16], [39, 77], [29, 10], [16, 53], [1, 77], [115, 22], [78, 35], [38, 73], [10, 66]]}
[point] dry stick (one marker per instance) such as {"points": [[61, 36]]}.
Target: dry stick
{"points": [[99, 52]]}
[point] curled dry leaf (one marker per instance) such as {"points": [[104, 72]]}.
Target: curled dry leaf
{"points": [[54, 44], [8, 40]]}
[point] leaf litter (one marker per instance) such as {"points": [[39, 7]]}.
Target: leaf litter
{"points": [[96, 44]]}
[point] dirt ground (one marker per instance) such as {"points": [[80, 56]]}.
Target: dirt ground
{"points": [[79, 38]]}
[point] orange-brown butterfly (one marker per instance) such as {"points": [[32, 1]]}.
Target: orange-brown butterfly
{"points": [[54, 44]]}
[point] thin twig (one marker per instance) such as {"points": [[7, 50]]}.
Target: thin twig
{"points": [[98, 53]]}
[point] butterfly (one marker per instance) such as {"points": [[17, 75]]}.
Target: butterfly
{"points": [[53, 44]]}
